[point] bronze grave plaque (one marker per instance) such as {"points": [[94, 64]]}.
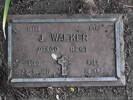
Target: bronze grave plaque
{"points": [[55, 50]]}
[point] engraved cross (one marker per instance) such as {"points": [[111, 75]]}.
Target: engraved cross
{"points": [[63, 61]]}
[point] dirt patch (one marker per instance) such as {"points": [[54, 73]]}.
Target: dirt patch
{"points": [[69, 7]]}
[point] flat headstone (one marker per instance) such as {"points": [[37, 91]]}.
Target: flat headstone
{"points": [[54, 50]]}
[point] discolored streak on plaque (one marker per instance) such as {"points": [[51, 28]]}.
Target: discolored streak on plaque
{"points": [[55, 50]]}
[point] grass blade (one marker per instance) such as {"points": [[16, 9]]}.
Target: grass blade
{"points": [[7, 3]]}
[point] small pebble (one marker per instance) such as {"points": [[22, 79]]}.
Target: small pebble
{"points": [[72, 89], [57, 97], [54, 56]]}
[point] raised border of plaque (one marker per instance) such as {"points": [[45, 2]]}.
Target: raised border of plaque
{"points": [[118, 80]]}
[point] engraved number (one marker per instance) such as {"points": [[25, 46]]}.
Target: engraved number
{"points": [[33, 28]]}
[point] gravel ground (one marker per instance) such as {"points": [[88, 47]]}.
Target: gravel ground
{"points": [[70, 7]]}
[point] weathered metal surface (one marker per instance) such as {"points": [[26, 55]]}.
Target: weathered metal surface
{"points": [[66, 51]]}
